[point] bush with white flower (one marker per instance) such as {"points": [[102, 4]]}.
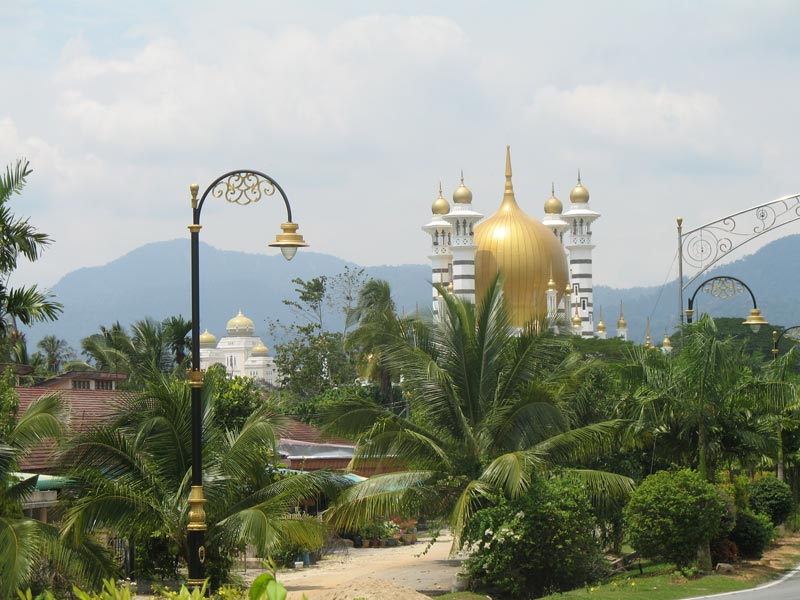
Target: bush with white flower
{"points": [[542, 542]]}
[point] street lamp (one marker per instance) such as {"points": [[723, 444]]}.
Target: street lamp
{"points": [[726, 287], [794, 335], [243, 188]]}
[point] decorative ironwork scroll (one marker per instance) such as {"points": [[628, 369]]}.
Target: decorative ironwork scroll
{"points": [[243, 188], [722, 287], [793, 333], [704, 246]]}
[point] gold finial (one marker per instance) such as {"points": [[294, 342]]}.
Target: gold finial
{"points": [[552, 188], [440, 185], [579, 175], [601, 327], [194, 189], [576, 319], [508, 195], [647, 341], [551, 284], [568, 290], [462, 176], [680, 222], [666, 344], [621, 323]]}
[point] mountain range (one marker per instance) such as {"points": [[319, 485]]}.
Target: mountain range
{"points": [[153, 281]]}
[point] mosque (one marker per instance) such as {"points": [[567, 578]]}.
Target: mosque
{"points": [[241, 352], [547, 265]]}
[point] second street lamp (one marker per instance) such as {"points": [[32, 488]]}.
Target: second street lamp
{"points": [[793, 333], [727, 287], [242, 188]]}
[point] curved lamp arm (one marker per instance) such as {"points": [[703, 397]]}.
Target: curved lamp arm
{"points": [[777, 338], [729, 288]]}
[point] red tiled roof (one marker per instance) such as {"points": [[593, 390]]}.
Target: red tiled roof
{"points": [[301, 432], [83, 409], [95, 375]]}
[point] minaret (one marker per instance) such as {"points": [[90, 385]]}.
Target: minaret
{"points": [[647, 341], [577, 322], [552, 215], [622, 325], [578, 242], [462, 220], [552, 303], [441, 237], [601, 327]]}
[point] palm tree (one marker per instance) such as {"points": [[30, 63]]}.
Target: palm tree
{"points": [[133, 475], [25, 542], [56, 352], [177, 330], [377, 320], [482, 423], [700, 402], [19, 238]]}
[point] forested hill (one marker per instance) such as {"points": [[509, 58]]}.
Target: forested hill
{"points": [[153, 280]]}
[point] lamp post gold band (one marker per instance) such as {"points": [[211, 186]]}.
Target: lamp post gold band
{"points": [[195, 228], [197, 514], [195, 377]]}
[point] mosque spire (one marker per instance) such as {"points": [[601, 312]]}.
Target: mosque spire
{"points": [[508, 196]]}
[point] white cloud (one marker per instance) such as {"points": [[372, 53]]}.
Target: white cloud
{"points": [[635, 114]]}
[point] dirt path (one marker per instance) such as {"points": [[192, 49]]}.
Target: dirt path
{"points": [[401, 565]]}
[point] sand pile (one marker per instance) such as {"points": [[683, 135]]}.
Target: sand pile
{"points": [[370, 589]]}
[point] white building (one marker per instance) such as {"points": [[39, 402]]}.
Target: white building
{"points": [[241, 352], [547, 266]]}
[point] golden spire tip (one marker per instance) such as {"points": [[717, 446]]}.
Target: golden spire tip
{"points": [[579, 175], [508, 162]]}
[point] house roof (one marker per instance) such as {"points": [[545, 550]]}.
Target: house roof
{"points": [[96, 375], [300, 432], [83, 408]]}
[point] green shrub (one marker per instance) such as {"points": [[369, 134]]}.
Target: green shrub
{"points": [[542, 542], [752, 534], [671, 514], [772, 497]]}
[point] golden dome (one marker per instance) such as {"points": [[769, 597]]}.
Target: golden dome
{"points": [[568, 289], [462, 195], [576, 319], [240, 325], [524, 251], [601, 327], [551, 284], [553, 205], [579, 194], [440, 206], [259, 350], [666, 344], [208, 339]]}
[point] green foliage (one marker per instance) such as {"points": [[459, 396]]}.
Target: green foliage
{"points": [[237, 398], [671, 514], [111, 591], [772, 497], [19, 239], [542, 542], [481, 420], [752, 534], [312, 362]]}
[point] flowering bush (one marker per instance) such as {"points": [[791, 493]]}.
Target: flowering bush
{"points": [[542, 542]]}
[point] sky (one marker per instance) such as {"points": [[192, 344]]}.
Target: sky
{"points": [[360, 109]]}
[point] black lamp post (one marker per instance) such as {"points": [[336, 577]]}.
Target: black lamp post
{"points": [[243, 188], [790, 332], [727, 287]]}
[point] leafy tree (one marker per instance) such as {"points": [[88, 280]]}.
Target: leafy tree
{"points": [[177, 330], [26, 544], [541, 542], [56, 351], [132, 475], [237, 398], [772, 498], [752, 533], [481, 422], [18, 238], [671, 514], [312, 300]]}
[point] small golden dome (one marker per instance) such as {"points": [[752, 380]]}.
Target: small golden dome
{"points": [[553, 205], [576, 320], [622, 323], [551, 285], [240, 325], [462, 195], [601, 327], [259, 350], [568, 289], [440, 206], [524, 251], [208, 339], [666, 343], [579, 194]]}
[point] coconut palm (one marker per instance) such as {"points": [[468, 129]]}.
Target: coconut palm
{"points": [[698, 406], [133, 476], [56, 352], [25, 543], [19, 238], [482, 424], [376, 317], [177, 330]]}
